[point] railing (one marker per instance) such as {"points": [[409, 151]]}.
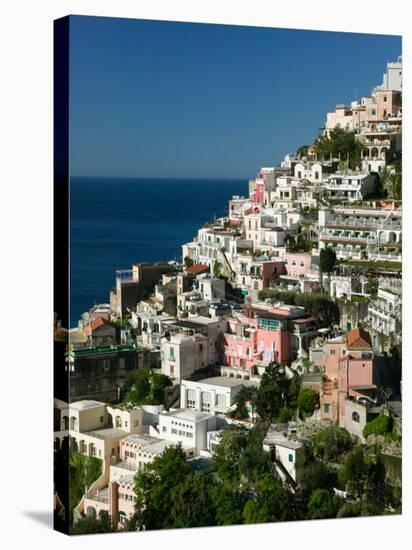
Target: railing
{"points": [[336, 224], [125, 275], [338, 238], [98, 498], [125, 466]]}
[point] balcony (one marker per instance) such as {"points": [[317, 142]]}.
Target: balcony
{"points": [[101, 495], [357, 224], [125, 276]]}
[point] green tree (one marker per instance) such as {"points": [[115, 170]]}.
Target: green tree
{"points": [[192, 502], [90, 525], [322, 505], [138, 384], [247, 393], [320, 306], [83, 471], [364, 476], [145, 387], [272, 501], [302, 151], [327, 261], [272, 393], [217, 269], [350, 510], [381, 425], [253, 460], [308, 400], [331, 442], [188, 261], [317, 475], [229, 501], [340, 143], [154, 486], [225, 460]]}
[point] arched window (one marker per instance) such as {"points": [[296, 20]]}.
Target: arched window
{"points": [[355, 417]]}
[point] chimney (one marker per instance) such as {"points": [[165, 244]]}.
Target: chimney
{"points": [[114, 502]]}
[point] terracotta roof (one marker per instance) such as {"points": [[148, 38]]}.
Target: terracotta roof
{"points": [[96, 323], [196, 269], [358, 338]]}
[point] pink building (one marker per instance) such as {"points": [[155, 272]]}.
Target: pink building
{"points": [[258, 195], [299, 264], [348, 371], [264, 334]]}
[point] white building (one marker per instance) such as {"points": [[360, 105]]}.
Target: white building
{"points": [[392, 77], [384, 317], [349, 187], [187, 427], [287, 454], [215, 394], [362, 233], [211, 288], [182, 354]]}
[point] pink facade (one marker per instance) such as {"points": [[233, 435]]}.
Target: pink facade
{"points": [[299, 264], [258, 195], [348, 371], [388, 104], [262, 335]]}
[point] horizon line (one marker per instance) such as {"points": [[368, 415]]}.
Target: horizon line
{"points": [[165, 177]]}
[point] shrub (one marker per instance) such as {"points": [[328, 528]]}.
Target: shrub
{"points": [[381, 425], [330, 443], [308, 399]]}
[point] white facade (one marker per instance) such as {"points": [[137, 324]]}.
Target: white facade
{"points": [[211, 288], [384, 315], [183, 354], [187, 427], [214, 394], [287, 454]]}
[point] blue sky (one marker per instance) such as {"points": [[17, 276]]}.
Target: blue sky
{"points": [[164, 99]]}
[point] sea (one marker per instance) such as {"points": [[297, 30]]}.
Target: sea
{"points": [[116, 222]]}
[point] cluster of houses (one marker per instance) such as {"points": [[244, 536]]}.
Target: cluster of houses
{"points": [[207, 326]]}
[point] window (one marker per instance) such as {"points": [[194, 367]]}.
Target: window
{"points": [[171, 354], [206, 400], [191, 399], [355, 417], [302, 263], [174, 431], [326, 408], [332, 352], [290, 457], [384, 98], [316, 175], [164, 429], [221, 401], [101, 419]]}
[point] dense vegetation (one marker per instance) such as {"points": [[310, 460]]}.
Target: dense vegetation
{"points": [[241, 485], [145, 387], [83, 471], [341, 144]]}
